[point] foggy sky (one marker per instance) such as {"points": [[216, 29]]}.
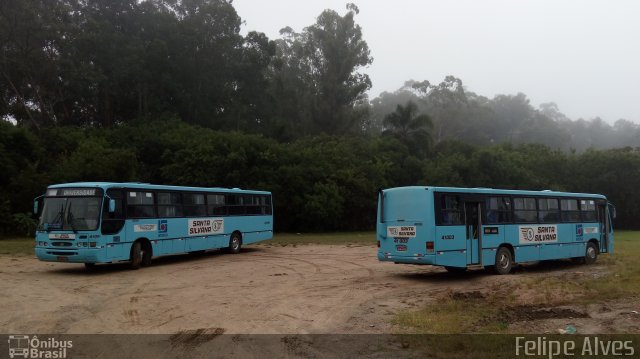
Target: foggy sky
{"points": [[582, 55]]}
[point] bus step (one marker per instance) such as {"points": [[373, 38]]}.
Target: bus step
{"points": [[475, 266]]}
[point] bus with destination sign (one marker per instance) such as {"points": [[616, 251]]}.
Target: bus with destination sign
{"points": [[104, 222], [462, 228]]}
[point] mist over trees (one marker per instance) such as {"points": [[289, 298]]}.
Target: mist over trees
{"points": [[170, 91]]}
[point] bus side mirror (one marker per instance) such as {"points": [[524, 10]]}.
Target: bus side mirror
{"points": [[112, 205], [36, 206]]}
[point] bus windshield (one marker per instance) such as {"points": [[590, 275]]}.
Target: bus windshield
{"points": [[70, 213]]}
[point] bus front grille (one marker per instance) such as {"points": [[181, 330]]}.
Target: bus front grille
{"points": [[60, 253]]}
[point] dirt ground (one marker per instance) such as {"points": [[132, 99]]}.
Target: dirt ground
{"points": [[265, 289]]}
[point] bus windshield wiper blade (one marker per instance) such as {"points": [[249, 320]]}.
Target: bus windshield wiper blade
{"points": [[58, 217], [71, 219]]}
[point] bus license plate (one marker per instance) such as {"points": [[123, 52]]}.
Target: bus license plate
{"points": [[62, 258], [401, 248]]}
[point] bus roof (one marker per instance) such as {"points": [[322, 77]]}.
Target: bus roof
{"points": [[483, 190], [139, 185]]}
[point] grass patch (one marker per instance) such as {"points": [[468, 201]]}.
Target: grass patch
{"points": [[323, 238], [16, 246], [614, 277], [453, 316]]}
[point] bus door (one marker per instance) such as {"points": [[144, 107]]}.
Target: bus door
{"points": [[605, 227], [473, 223]]}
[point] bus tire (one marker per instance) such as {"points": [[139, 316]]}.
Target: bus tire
{"points": [[504, 261], [147, 253], [455, 269], [136, 255], [235, 243], [591, 253]]}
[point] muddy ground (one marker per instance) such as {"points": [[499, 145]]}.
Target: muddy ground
{"points": [[267, 289]]}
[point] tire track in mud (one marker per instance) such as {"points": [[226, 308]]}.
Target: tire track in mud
{"points": [[288, 268], [317, 267]]}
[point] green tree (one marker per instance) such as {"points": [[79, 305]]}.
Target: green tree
{"points": [[317, 73], [410, 127]]}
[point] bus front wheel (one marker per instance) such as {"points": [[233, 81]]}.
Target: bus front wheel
{"points": [[591, 254], [235, 243], [136, 255], [504, 261], [140, 255]]}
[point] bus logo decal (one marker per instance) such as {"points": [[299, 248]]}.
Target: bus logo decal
{"points": [[538, 234], [203, 226], [401, 231], [162, 225]]}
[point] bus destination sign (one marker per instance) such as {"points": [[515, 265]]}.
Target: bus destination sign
{"points": [[73, 192]]}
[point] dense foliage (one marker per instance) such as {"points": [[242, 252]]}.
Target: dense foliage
{"points": [[169, 91]]}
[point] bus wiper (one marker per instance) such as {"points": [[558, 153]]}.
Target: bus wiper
{"points": [[71, 219], [57, 218]]}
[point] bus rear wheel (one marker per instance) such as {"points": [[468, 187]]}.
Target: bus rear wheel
{"points": [[235, 243], [591, 254], [504, 261]]}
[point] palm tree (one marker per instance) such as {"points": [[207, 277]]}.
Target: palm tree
{"points": [[409, 127]]}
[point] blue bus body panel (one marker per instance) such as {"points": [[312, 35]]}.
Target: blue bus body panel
{"points": [[414, 206], [166, 235]]}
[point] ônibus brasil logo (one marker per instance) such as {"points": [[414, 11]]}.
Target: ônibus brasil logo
{"points": [[24, 346]]}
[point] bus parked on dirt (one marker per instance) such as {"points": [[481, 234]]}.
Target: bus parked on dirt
{"points": [[92, 222], [462, 228]]}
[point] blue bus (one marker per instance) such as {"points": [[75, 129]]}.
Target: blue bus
{"points": [[95, 222], [463, 228]]}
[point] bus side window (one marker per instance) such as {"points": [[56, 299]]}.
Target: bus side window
{"points": [[498, 210], [451, 210], [216, 205], [569, 210], [266, 204], [548, 210], [525, 210], [140, 205], [235, 205], [169, 204], [588, 209], [194, 205]]}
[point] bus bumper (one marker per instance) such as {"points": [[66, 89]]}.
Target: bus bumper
{"points": [[415, 259], [78, 255]]}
